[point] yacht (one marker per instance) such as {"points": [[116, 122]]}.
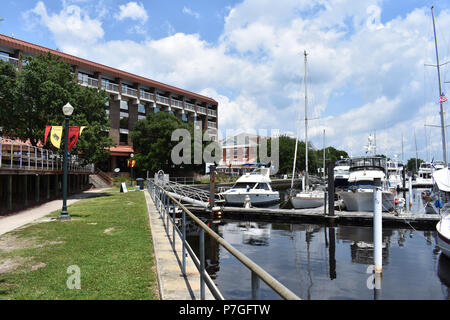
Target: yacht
{"points": [[394, 172], [255, 185], [341, 173], [423, 178], [359, 196]]}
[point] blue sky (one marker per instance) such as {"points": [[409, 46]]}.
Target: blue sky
{"points": [[365, 65]]}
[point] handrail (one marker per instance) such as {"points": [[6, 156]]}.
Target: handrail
{"points": [[104, 176], [163, 201], [16, 155]]}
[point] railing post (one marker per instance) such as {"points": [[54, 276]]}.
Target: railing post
{"points": [[184, 241], [255, 286], [35, 158], [12, 154], [167, 213], [202, 263], [173, 225], [20, 160]]}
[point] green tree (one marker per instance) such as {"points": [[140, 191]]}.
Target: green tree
{"points": [[41, 88], [152, 141], [331, 156], [411, 164]]}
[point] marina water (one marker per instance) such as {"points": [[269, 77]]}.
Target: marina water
{"points": [[317, 261]]}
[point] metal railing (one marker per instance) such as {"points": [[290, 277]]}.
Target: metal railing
{"points": [[109, 86], [211, 125], [89, 82], [201, 109], [12, 61], [212, 113], [164, 202], [189, 106], [129, 91], [16, 155], [162, 99], [146, 96], [177, 103]]}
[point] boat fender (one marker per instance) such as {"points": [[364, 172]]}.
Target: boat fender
{"points": [[396, 201], [438, 204]]}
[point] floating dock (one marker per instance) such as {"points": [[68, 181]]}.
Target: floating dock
{"points": [[417, 221]]}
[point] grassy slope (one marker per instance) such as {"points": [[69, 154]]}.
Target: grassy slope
{"points": [[118, 264]]}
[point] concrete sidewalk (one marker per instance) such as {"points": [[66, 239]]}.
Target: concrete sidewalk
{"points": [[172, 284], [25, 217]]}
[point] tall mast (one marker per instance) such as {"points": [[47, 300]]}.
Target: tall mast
{"points": [[306, 127], [444, 140], [324, 153], [415, 142]]}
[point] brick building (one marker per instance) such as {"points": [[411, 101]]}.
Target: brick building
{"points": [[132, 97]]}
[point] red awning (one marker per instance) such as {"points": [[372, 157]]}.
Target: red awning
{"points": [[121, 151]]}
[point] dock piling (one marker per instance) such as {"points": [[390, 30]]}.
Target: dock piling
{"points": [[331, 189], [377, 225]]}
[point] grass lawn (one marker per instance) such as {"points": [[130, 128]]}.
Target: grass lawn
{"points": [[108, 239]]}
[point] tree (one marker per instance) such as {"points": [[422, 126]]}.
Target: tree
{"points": [[331, 156], [40, 89], [152, 140], [411, 165]]}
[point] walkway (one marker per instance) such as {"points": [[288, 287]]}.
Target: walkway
{"points": [[172, 284], [27, 216]]}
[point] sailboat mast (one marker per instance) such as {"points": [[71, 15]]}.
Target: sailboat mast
{"points": [[415, 142], [444, 140], [324, 153], [306, 127]]}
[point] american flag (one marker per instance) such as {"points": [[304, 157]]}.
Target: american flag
{"points": [[442, 99]]}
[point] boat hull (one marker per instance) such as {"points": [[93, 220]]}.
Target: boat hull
{"points": [[306, 202], [363, 201], [256, 199], [443, 239]]}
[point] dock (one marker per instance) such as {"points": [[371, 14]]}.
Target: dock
{"points": [[392, 219]]}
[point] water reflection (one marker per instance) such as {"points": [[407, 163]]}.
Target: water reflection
{"points": [[326, 262]]}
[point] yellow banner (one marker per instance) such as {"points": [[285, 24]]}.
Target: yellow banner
{"points": [[81, 129], [56, 136]]}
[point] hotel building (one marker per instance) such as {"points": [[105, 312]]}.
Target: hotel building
{"points": [[132, 97]]}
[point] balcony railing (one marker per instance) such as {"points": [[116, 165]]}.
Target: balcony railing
{"points": [[189, 106], [211, 124], [112, 87], [146, 96], [89, 82], [177, 104], [129, 91], [16, 155], [212, 113], [12, 61], [162, 99], [201, 110]]}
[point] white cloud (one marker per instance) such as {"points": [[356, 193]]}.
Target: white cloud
{"points": [[255, 69], [134, 11], [190, 12]]}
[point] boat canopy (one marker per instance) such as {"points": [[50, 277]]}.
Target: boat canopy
{"points": [[442, 179], [368, 163]]}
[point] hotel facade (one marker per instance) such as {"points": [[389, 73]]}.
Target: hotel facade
{"points": [[131, 97]]}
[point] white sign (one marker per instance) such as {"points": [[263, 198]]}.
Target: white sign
{"points": [[123, 187], [207, 165]]}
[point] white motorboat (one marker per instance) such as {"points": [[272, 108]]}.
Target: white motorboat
{"points": [[305, 199], [341, 173], [359, 196], [394, 170], [255, 185], [423, 179], [443, 230]]}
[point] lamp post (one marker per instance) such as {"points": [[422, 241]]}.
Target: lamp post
{"points": [[67, 110]]}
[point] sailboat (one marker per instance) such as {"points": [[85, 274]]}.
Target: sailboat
{"points": [[306, 199], [441, 177]]}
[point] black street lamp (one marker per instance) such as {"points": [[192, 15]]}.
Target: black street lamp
{"points": [[131, 168], [67, 110]]}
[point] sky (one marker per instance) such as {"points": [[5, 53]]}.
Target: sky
{"points": [[366, 62]]}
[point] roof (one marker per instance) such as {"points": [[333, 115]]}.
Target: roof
{"points": [[121, 151], [90, 65]]}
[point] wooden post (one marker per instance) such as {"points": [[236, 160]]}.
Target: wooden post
{"points": [[48, 187], [9, 192], [37, 190], [25, 190], [331, 189], [377, 226]]}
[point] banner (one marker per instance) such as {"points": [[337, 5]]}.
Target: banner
{"points": [[131, 163], [56, 136], [47, 131], [81, 129], [73, 137]]}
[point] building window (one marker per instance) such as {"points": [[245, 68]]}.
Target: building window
{"points": [[123, 139], [156, 109], [245, 153], [124, 121], [235, 153], [141, 108], [123, 105]]}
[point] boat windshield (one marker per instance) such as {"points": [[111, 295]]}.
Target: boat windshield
{"points": [[340, 171], [244, 185], [368, 163], [263, 186], [360, 185]]}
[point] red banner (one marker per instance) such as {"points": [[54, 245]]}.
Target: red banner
{"points": [[47, 131], [73, 136]]}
